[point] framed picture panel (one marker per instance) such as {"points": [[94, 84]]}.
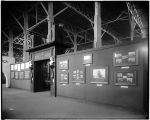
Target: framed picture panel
{"points": [[87, 58], [78, 75], [16, 75], [125, 77], [12, 75], [64, 77], [21, 75], [99, 74], [27, 74], [63, 64], [125, 58]]}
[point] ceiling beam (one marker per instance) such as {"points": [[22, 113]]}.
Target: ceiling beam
{"points": [[17, 21], [46, 11], [61, 11], [73, 8], [34, 26]]}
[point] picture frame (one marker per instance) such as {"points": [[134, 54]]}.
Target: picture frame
{"points": [[78, 75], [125, 77], [99, 75], [125, 58], [63, 65], [63, 77], [87, 58]]}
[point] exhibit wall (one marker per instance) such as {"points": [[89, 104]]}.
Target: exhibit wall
{"points": [[112, 74], [6, 61], [20, 75]]}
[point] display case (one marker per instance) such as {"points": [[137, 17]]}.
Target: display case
{"points": [[78, 75], [99, 74], [127, 77], [63, 65], [125, 58], [64, 77]]}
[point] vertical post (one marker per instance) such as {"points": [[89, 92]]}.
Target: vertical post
{"points": [[75, 42], [25, 54], [50, 35], [132, 27], [97, 25], [10, 43]]}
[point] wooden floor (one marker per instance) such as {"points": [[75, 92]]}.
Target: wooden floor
{"points": [[21, 104]]}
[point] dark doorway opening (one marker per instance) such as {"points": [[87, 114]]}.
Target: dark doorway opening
{"points": [[42, 81]]}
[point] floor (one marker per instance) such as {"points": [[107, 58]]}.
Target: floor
{"points": [[21, 104]]}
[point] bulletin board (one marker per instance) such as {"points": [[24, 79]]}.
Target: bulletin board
{"points": [[125, 77], [64, 77], [63, 64], [125, 58], [78, 75], [99, 74]]}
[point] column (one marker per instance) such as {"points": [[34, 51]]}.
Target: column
{"points": [[10, 54], [51, 27], [97, 26]]}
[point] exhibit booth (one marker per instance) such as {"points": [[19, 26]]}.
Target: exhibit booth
{"points": [[116, 75]]}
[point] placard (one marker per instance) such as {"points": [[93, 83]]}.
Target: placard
{"points": [[64, 77], [125, 78], [63, 64], [125, 58], [87, 58], [27, 74], [16, 75], [21, 75], [99, 75], [12, 75], [78, 75]]}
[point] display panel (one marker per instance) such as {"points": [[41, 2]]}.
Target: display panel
{"points": [[27, 65], [22, 65], [125, 78], [16, 75], [64, 77], [12, 67], [99, 75], [125, 58], [21, 75], [87, 58], [78, 75], [27, 74], [63, 64], [12, 75], [18, 67]]}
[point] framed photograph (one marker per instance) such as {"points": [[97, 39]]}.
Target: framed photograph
{"points": [[12, 75], [99, 75], [63, 64], [125, 58], [21, 75], [125, 77], [78, 75], [64, 77], [87, 58]]}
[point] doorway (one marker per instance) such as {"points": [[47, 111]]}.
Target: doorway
{"points": [[42, 81]]}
